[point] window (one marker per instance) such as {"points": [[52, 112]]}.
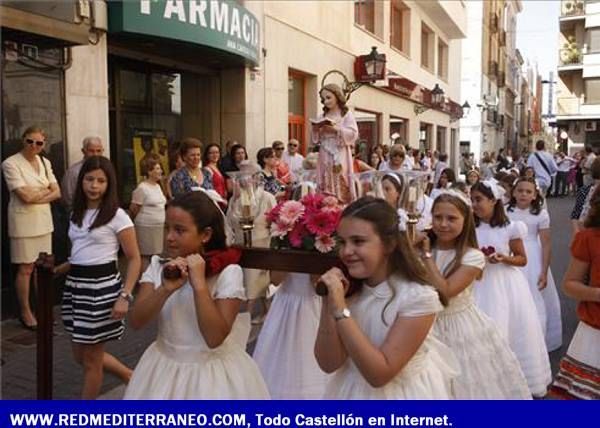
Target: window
{"points": [[594, 38], [399, 125], [427, 50], [400, 26], [368, 129], [442, 59], [592, 91], [364, 14]]}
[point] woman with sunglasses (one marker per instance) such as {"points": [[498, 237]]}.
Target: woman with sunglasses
{"points": [[32, 187]]}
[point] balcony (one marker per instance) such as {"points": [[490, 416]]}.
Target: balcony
{"points": [[570, 58], [576, 108], [572, 8]]}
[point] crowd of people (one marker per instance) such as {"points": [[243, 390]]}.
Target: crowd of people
{"points": [[468, 309]]}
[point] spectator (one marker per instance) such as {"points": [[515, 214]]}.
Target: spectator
{"points": [[226, 163], [564, 164], [268, 162], [190, 177], [283, 171], [587, 165], [292, 158], [584, 195], [210, 161], [544, 166], [440, 166], [91, 146]]}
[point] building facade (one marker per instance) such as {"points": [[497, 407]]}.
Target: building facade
{"points": [[578, 100], [490, 77]]}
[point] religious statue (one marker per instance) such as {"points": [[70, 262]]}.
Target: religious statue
{"points": [[335, 132]]}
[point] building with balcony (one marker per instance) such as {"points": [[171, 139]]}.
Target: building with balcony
{"points": [[418, 38], [490, 78], [578, 83]]}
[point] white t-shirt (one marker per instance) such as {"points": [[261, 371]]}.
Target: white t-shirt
{"points": [[99, 245], [293, 162], [152, 201]]}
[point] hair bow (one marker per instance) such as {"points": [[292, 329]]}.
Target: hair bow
{"points": [[497, 191]]}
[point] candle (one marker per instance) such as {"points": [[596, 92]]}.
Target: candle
{"points": [[246, 213], [245, 197], [303, 190], [412, 194]]}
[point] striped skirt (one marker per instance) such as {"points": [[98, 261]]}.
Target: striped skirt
{"points": [[579, 374], [89, 296]]}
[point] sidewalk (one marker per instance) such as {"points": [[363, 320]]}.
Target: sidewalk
{"points": [[18, 351]]}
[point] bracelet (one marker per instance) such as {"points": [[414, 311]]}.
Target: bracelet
{"points": [[126, 296]]}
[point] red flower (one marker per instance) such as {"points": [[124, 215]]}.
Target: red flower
{"points": [[313, 201], [488, 251], [218, 260], [322, 222], [297, 234], [273, 214]]}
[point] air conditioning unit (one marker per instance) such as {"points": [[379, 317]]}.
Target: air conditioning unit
{"points": [[589, 125]]}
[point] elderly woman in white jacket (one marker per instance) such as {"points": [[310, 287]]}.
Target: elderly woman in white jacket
{"points": [[32, 187]]}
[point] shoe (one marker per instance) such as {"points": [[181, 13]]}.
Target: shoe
{"points": [[26, 326]]}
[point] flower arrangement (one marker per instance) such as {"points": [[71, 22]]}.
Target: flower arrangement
{"points": [[307, 224], [488, 251]]}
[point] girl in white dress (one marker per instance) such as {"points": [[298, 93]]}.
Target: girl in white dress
{"points": [[375, 332], [503, 292], [489, 369], [392, 185], [200, 349], [526, 205]]}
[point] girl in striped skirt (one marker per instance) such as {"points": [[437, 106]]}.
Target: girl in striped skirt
{"points": [[95, 300]]}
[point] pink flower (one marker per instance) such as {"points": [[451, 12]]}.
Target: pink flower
{"points": [[297, 234], [290, 212], [279, 229], [322, 222], [324, 243], [330, 203], [312, 201]]}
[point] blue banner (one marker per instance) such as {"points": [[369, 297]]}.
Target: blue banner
{"points": [[257, 414]]}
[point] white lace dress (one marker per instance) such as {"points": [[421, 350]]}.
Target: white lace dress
{"points": [[285, 348], [180, 365], [503, 294], [546, 300], [428, 375], [489, 369]]}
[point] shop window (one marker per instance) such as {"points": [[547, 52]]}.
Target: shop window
{"points": [[296, 108], [440, 139], [442, 60], [592, 91], [400, 26], [399, 130], [427, 47], [425, 130], [368, 132], [364, 14]]}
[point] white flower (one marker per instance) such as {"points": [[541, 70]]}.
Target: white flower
{"points": [[402, 219]]}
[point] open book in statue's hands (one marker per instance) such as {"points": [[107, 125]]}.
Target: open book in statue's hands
{"points": [[322, 121]]}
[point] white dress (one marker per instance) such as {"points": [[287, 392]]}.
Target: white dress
{"points": [[429, 373], [503, 294], [285, 348], [489, 369], [180, 365], [546, 300]]}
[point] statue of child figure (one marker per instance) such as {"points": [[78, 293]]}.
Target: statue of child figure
{"points": [[335, 131]]}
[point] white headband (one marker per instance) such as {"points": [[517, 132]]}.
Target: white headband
{"points": [[497, 191], [454, 193]]}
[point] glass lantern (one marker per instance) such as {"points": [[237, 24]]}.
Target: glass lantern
{"points": [[415, 187], [244, 202]]}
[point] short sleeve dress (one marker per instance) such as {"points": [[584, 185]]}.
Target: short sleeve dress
{"points": [[489, 369], [427, 375], [180, 365]]}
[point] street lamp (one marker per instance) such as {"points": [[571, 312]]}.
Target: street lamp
{"points": [[466, 109], [367, 70], [437, 98]]}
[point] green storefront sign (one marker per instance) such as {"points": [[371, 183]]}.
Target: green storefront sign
{"points": [[220, 24]]}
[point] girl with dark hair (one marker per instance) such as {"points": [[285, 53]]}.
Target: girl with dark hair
{"points": [[392, 185], [447, 178], [503, 292], [268, 162], [526, 205], [95, 300], [579, 374], [196, 295], [237, 154], [375, 335], [489, 369]]}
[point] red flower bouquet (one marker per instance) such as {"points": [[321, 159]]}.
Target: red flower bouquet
{"points": [[488, 251], [307, 224]]}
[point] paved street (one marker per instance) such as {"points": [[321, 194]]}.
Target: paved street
{"points": [[18, 345]]}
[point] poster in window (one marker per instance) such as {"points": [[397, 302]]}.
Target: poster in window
{"points": [[150, 143]]}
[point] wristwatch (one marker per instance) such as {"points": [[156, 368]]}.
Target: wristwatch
{"points": [[126, 296], [342, 314]]}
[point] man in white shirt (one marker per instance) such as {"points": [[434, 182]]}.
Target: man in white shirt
{"points": [[564, 164], [292, 158], [91, 146], [544, 166], [586, 166], [439, 167]]}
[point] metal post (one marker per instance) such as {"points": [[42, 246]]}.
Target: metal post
{"points": [[44, 277]]}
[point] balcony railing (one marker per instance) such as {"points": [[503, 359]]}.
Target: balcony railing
{"points": [[570, 106], [572, 8], [570, 56]]}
